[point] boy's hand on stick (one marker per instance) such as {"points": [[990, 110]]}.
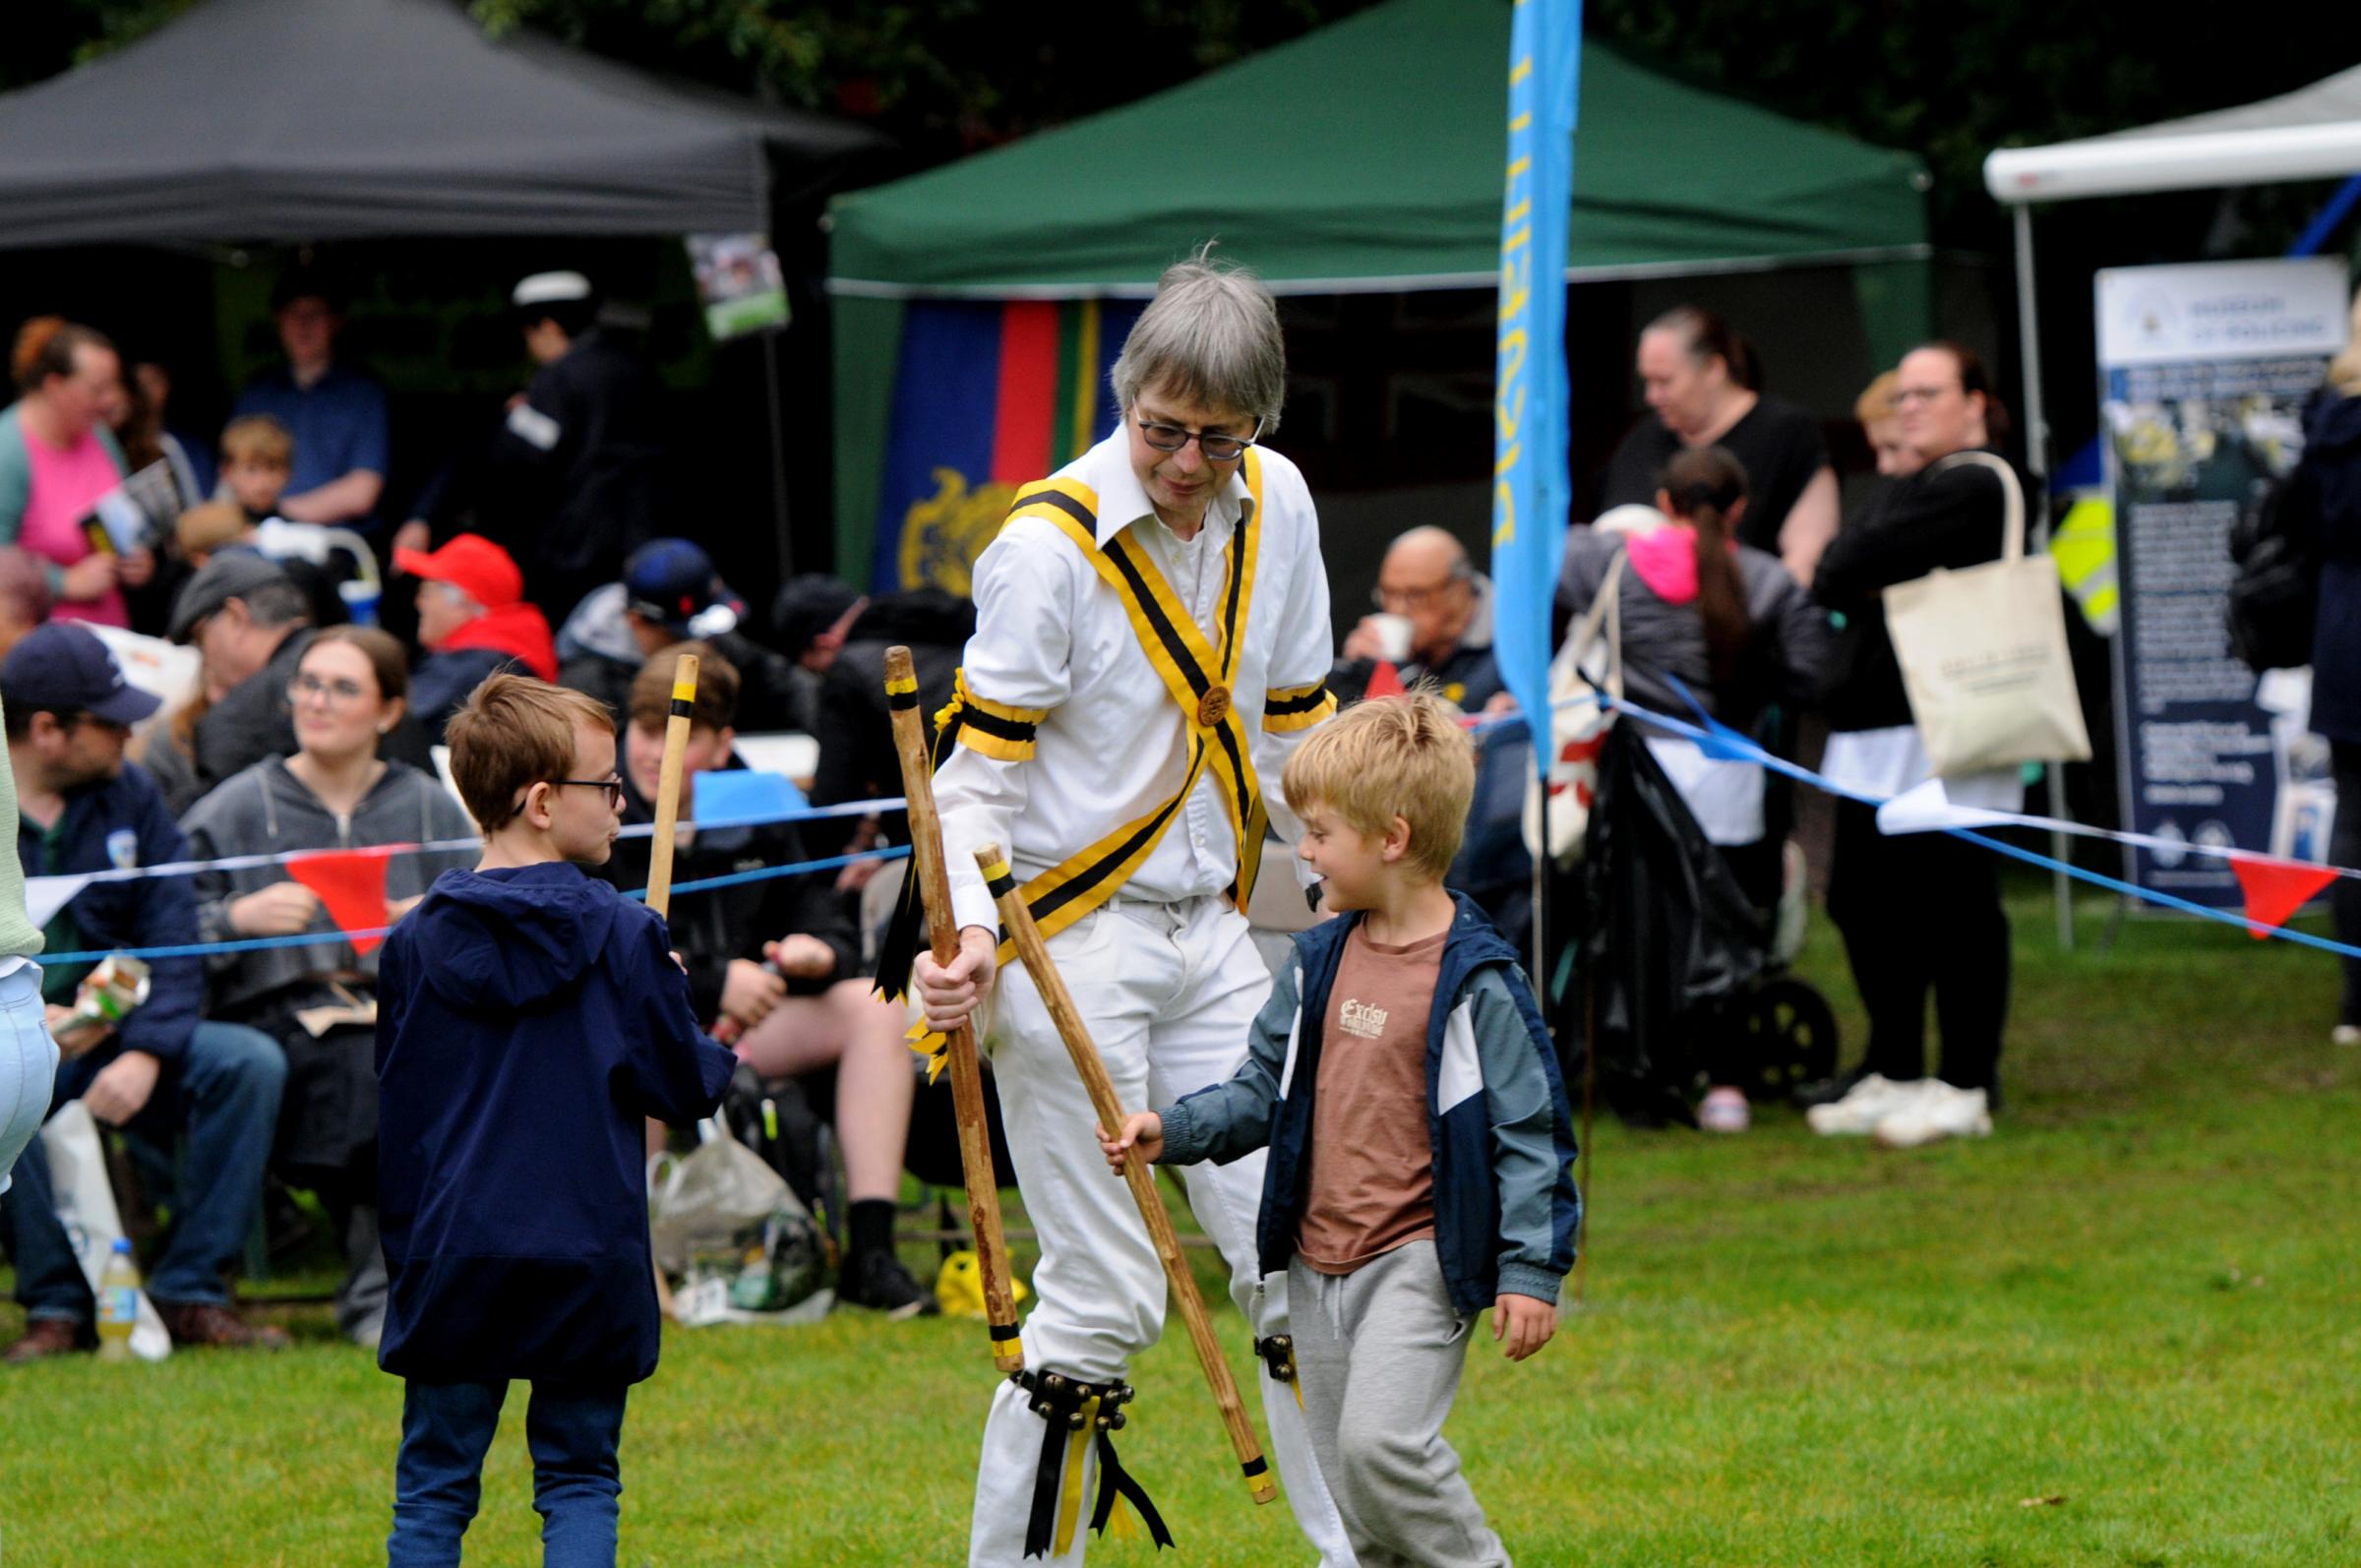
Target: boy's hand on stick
{"points": [[1142, 1130], [951, 991], [1526, 1322]]}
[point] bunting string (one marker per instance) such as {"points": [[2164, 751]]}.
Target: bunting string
{"points": [[2275, 888], [377, 933]]}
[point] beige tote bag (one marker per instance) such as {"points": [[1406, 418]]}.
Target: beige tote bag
{"points": [[1984, 653]]}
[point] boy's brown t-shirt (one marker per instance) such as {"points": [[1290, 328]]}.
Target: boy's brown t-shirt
{"points": [[1372, 1162]]}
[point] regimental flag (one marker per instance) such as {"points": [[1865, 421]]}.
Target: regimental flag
{"points": [[987, 397]]}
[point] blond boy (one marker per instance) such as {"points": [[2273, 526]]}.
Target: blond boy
{"points": [[1421, 1159], [258, 455]]}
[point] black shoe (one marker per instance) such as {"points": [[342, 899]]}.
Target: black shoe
{"points": [[1826, 1090], [878, 1281]]}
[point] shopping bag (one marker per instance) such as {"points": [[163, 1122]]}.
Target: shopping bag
{"points": [[1983, 657], [1578, 721], [86, 1207]]}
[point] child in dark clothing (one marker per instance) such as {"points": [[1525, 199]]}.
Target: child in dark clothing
{"points": [[531, 1018]]}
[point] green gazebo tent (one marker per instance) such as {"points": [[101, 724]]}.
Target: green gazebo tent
{"points": [[1363, 158]]}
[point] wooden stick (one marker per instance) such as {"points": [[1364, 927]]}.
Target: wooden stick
{"points": [[668, 818], [1034, 953], [967, 1077]]}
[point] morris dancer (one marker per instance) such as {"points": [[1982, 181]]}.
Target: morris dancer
{"points": [[1151, 641]]}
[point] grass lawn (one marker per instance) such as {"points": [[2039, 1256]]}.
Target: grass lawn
{"points": [[2122, 1331]]}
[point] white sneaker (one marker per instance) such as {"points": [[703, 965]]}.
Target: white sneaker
{"points": [[1724, 1110], [1862, 1107], [2345, 1035], [1941, 1111]]}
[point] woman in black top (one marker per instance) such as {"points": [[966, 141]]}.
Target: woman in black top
{"points": [[1704, 388], [1919, 911]]}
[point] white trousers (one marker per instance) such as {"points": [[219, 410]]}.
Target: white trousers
{"points": [[1169, 992]]}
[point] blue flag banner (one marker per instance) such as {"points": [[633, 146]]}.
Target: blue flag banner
{"points": [[1530, 483]]}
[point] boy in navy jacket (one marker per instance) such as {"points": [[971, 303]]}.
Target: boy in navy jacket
{"points": [[1421, 1159], [531, 1018]]}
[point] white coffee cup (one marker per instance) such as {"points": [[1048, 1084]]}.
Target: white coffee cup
{"points": [[1393, 636]]}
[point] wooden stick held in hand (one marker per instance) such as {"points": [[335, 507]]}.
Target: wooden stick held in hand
{"points": [[1034, 953], [668, 785], [668, 818], [967, 1077]]}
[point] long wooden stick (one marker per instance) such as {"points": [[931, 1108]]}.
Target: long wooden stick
{"points": [[1034, 953], [668, 818], [967, 1077]]}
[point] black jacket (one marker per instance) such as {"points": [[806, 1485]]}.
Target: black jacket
{"points": [[576, 479], [1939, 516], [711, 927], [857, 758]]}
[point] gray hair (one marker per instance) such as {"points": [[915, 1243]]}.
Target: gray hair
{"points": [[1210, 337]]}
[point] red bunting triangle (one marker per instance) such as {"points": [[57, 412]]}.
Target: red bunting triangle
{"points": [[352, 884], [1385, 681], [2275, 889]]}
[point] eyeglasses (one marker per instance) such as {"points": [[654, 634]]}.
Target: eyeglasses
{"points": [[1920, 395], [613, 787], [339, 691], [1385, 598], [1216, 448]]}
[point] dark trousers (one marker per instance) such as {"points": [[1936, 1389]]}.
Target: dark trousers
{"points": [[1921, 912], [438, 1479], [2344, 849]]}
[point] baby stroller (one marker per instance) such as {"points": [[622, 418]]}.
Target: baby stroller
{"points": [[1675, 977]]}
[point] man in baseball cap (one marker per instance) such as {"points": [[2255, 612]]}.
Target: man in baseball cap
{"points": [[473, 623], [670, 593], [159, 1073]]}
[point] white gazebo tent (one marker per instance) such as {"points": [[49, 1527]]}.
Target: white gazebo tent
{"points": [[2312, 133]]}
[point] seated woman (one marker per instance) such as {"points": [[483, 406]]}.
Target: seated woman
{"points": [[1726, 622], [318, 1000], [812, 1007]]}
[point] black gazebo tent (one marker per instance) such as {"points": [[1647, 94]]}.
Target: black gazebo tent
{"points": [[293, 121], [367, 119]]}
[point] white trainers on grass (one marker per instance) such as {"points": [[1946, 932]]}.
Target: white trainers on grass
{"points": [[1938, 1112], [2345, 1035], [1863, 1106]]}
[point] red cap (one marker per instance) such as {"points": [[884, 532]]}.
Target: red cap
{"points": [[471, 564]]}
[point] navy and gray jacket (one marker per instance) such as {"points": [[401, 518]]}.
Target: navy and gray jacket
{"points": [[1505, 1204], [111, 824], [528, 1020]]}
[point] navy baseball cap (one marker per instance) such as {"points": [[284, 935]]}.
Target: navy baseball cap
{"points": [[673, 583], [63, 668]]}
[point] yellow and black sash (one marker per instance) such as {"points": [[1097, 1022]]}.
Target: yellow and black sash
{"points": [[1199, 676]]}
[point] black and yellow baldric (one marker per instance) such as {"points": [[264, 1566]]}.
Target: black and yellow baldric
{"points": [[1200, 676], [1077, 1416]]}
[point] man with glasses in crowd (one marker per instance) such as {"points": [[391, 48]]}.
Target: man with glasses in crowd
{"points": [[1151, 643], [160, 1074], [1427, 580]]}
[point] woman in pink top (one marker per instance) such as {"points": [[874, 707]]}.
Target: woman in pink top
{"points": [[57, 458]]}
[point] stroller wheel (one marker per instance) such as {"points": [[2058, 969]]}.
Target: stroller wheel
{"points": [[1791, 1038]]}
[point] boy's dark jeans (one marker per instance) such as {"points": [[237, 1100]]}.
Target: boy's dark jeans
{"points": [[438, 1477]]}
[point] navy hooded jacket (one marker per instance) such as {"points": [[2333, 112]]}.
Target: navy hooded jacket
{"points": [[528, 1020]]}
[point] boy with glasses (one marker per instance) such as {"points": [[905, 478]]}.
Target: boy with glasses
{"points": [[531, 1018]]}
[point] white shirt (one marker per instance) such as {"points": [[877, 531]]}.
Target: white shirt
{"points": [[1051, 635]]}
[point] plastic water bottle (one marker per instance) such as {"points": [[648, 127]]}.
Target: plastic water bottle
{"points": [[118, 1302]]}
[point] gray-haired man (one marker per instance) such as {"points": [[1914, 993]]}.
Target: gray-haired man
{"points": [[1151, 641]]}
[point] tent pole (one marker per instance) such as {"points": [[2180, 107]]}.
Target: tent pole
{"points": [[778, 449], [2036, 457]]}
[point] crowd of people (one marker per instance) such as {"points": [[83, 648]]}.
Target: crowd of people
{"points": [[249, 1075], [1741, 594]]}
